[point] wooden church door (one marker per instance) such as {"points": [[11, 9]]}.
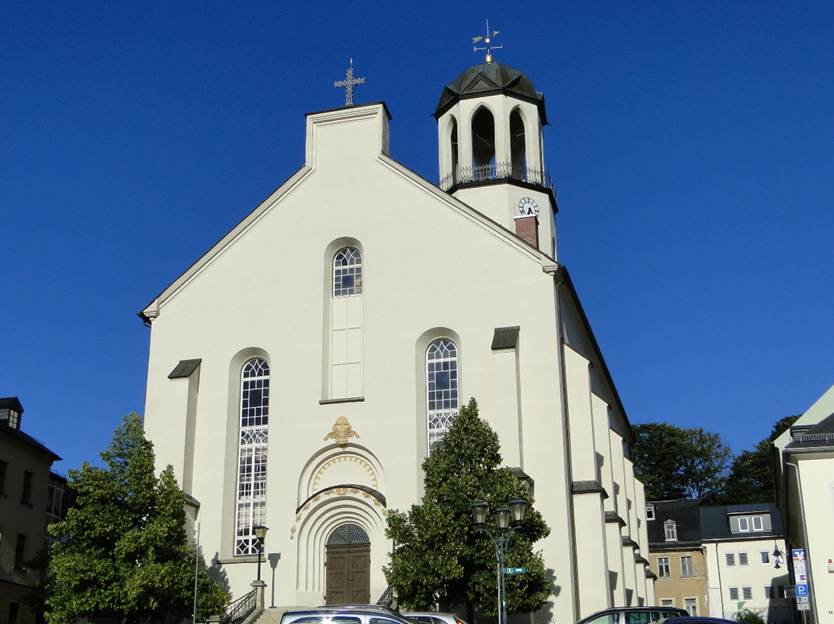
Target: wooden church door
{"points": [[348, 565]]}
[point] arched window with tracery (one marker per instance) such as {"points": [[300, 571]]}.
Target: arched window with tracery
{"points": [[347, 272], [483, 143], [252, 454], [345, 349], [441, 389], [518, 146]]}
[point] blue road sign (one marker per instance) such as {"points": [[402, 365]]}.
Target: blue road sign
{"points": [[801, 590], [515, 570]]}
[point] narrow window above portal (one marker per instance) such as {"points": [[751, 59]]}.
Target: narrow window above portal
{"points": [[347, 272]]}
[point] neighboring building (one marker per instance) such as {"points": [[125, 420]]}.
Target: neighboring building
{"points": [[677, 555], [805, 487], [304, 367], [28, 501], [743, 573]]}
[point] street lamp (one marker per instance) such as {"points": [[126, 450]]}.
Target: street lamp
{"points": [[508, 519], [260, 532], [778, 557]]}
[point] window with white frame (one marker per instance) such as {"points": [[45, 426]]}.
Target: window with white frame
{"points": [[649, 512], [734, 593], [765, 557], [731, 559], [687, 568], [663, 567], [691, 605], [441, 389], [743, 524], [768, 592], [347, 272], [758, 523], [670, 529], [747, 593], [667, 602], [252, 453], [742, 558]]}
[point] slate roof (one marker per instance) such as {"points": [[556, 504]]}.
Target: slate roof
{"points": [[27, 439], [685, 513], [716, 526], [488, 79], [818, 435]]}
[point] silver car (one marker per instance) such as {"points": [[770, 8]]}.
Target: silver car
{"points": [[432, 617], [367, 614]]}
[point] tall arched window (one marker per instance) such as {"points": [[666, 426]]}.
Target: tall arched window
{"points": [[453, 140], [518, 146], [441, 389], [483, 143], [251, 474], [345, 379]]}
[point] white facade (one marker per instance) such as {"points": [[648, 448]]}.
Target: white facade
{"points": [[805, 484], [347, 427], [741, 575]]}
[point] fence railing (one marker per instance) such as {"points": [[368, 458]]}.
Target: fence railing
{"points": [[495, 171], [820, 437], [240, 609]]}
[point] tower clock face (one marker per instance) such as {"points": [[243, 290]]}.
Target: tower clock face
{"points": [[527, 207]]}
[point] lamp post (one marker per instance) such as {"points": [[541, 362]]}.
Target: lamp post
{"points": [[260, 532], [778, 557], [508, 520]]}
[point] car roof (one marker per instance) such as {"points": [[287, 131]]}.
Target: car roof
{"points": [[354, 609], [694, 619], [642, 609]]}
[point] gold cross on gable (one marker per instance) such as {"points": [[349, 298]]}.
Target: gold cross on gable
{"points": [[348, 83], [488, 44]]}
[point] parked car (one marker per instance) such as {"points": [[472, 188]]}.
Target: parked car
{"points": [[349, 614], [698, 619], [431, 617], [635, 615]]}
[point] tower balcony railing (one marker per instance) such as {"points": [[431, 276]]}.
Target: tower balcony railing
{"points": [[495, 171]]}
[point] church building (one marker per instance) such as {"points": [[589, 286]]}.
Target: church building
{"points": [[305, 366]]}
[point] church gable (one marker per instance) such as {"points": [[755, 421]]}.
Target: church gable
{"points": [[346, 162]]}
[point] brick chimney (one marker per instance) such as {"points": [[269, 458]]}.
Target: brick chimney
{"points": [[527, 227]]}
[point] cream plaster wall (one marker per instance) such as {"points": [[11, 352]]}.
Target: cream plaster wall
{"points": [[432, 266], [755, 575]]}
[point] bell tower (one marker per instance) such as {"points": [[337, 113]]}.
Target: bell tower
{"points": [[491, 156]]}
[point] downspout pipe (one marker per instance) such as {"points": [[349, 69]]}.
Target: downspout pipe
{"points": [[806, 545]]}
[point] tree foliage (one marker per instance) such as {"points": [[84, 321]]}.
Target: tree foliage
{"points": [[122, 550], [751, 477], [438, 557], [677, 462], [749, 617]]}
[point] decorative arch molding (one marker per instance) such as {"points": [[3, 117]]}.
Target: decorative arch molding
{"points": [[336, 465], [317, 521]]}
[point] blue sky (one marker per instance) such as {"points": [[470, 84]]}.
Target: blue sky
{"points": [[692, 145]]}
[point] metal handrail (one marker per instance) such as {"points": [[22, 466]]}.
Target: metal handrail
{"points": [[240, 609], [495, 171]]}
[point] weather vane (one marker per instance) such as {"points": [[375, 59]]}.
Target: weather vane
{"points": [[488, 46], [348, 83]]}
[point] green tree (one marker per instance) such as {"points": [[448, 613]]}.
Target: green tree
{"points": [[749, 617], [122, 551], [751, 474], [438, 557], [677, 462]]}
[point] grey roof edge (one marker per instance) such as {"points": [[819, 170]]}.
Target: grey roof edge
{"points": [[627, 540], [672, 546], [185, 368], [336, 108], [505, 338], [31, 441], [588, 487], [605, 371], [191, 501], [650, 574], [613, 516]]}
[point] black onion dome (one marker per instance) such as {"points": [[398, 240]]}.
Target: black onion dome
{"points": [[489, 79]]}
